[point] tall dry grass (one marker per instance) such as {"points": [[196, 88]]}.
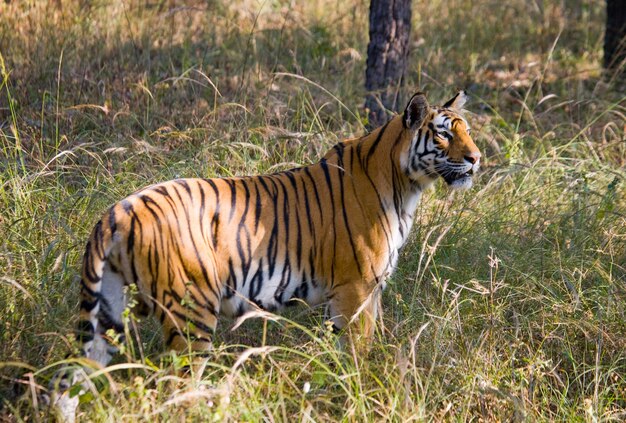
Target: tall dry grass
{"points": [[508, 303]]}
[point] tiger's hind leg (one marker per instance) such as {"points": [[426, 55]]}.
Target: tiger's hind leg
{"points": [[184, 336], [188, 310], [188, 330]]}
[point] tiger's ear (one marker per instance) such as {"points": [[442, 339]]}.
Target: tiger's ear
{"points": [[457, 101], [415, 112]]}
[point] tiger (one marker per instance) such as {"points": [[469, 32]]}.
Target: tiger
{"points": [[329, 232]]}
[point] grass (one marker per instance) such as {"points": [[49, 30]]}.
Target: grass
{"points": [[508, 303]]}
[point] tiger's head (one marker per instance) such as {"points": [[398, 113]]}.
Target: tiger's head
{"points": [[440, 142]]}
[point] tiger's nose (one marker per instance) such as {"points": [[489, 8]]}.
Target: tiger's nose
{"points": [[473, 157]]}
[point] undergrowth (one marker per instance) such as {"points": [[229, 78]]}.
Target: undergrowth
{"points": [[508, 302]]}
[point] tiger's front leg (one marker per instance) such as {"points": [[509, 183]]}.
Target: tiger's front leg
{"points": [[354, 306]]}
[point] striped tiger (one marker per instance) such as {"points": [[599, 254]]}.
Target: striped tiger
{"points": [[326, 232]]}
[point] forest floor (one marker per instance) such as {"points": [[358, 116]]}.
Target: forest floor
{"points": [[509, 302]]}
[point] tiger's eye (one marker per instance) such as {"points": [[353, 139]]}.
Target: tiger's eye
{"points": [[442, 138]]}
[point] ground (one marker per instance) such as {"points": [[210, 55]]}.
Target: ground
{"points": [[509, 300]]}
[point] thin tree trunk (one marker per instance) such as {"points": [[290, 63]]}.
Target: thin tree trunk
{"points": [[615, 35], [387, 56]]}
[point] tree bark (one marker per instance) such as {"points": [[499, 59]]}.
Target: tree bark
{"points": [[615, 35], [387, 56]]}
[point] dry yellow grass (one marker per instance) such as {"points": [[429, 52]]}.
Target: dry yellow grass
{"points": [[508, 303]]}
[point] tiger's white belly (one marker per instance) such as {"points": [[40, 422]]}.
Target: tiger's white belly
{"points": [[275, 292]]}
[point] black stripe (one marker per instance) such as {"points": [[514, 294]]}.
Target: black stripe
{"points": [[261, 179], [194, 322], [340, 175], [203, 268], [244, 255], [299, 237], [148, 204], [130, 242], [381, 205], [272, 248], [173, 334], [127, 206], [88, 270], [88, 305], [307, 206], [88, 290], [152, 254], [374, 146], [85, 331], [99, 238], [202, 207], [284, 281], [215, 220], [256, 282], [231, 281], [184, 184], [245, 267], [246, 191], [257, 209], [324, 167], [162, 190], [450, 102], [106, 320], [312, 267], [285, 212], [339, 149], [317, 196], [112, 221], [129, 209], [419, 140]]}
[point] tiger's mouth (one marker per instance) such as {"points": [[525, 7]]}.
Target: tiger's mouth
{"points": [[455, 179]]}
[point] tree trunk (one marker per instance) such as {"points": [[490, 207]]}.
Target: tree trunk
{"points": [[615, 35], [387, 56]]}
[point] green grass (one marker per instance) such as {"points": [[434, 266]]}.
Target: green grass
{"points": [[509, 300]]}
